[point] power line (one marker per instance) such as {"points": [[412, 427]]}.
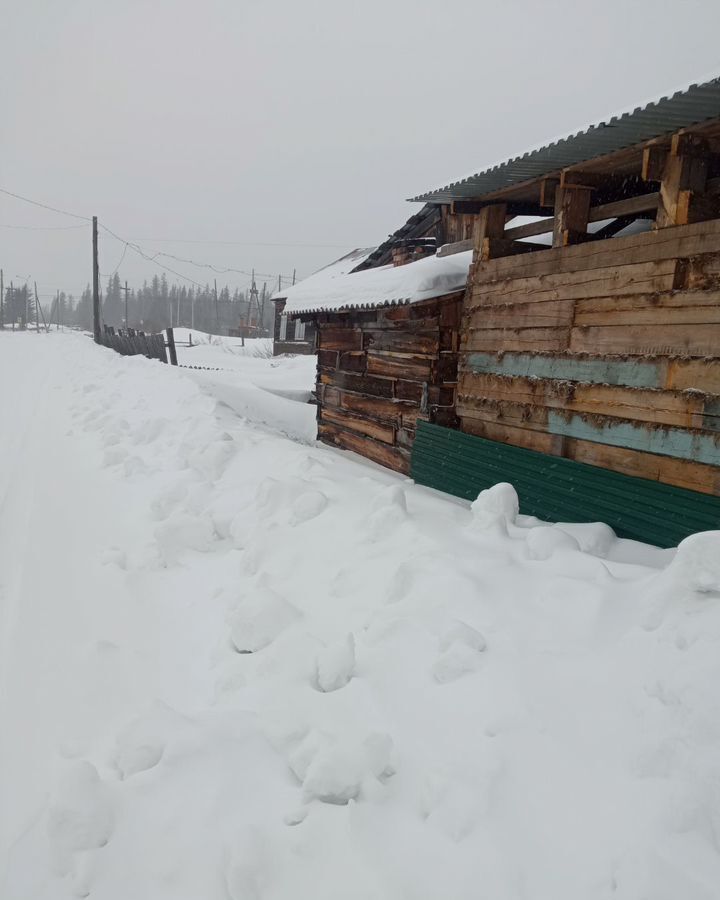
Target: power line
{"points": [[43, 227], [235, 243], [63, 212]]}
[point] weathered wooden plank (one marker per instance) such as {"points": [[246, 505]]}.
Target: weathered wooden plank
{"points": [[416, 342], [596, 370], [409, 390], [693, 374], [339, 338], [361, 384], [511, 434], [397, 458], [656, 406], [379, 431], [395, 365], [522, 315], [502, 339], [673, 243], [675, 442], [697, 309], [646, 340], [390, 410], [352, 361], [328, 358], [641, 278]]}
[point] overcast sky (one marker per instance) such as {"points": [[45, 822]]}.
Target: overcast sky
{"points": [[295, 130]]}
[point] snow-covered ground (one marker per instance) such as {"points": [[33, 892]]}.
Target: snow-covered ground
{"points": [[238, 664]]}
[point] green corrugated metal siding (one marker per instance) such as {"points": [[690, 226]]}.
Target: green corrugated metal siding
{"points": [[561, 490]]}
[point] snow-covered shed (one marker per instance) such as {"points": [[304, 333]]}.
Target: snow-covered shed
{"points": [[295, 335], [387, 340]]}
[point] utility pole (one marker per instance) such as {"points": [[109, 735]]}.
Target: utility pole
{"points": [[126, 306], [12, 304], [217, 313], [294, 270], [262, 309], [37, 310], [96, 282]]}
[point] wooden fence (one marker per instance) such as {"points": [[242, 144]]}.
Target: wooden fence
{"points": [[131, 342]]}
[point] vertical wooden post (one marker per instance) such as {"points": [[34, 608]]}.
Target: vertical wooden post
{"points": [[490, 226], [682, 180], [96, 282], [572, 209], [171, 347]]}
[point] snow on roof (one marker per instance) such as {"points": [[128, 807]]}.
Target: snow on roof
{"points": [[332, 290], [339, 267]]}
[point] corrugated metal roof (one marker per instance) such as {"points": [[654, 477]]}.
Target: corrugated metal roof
{"points": [[699, 103]]}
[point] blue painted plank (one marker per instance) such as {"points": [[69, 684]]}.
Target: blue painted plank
{"points": [[675, 442], [627, 373]]}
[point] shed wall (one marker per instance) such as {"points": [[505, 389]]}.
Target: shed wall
{"points": [[380, 371], [606, 352]]}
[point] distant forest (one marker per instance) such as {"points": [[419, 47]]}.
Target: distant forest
{"points": [[153, 307]]}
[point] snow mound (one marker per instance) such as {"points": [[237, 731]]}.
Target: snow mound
{"points": [[545, 540], [697, 562], [498, 506], [336, 665], [261, 619], [80, 812]]}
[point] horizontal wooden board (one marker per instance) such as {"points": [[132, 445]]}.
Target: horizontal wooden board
{"points": [[516, 435], [499, 340], [676, 308], [394, 365], [693, 374], [418, 342], [361, 384], [339, 338], [656, 406], [613, 280], [675, 442], [646, 340], [352, 361], [546, 314], [379, 431], [568, 367], [666, 243], [397, 458], [392, 411]]}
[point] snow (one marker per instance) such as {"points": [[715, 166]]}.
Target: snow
{"points": [[341, 266], [235, 663], [423, 279]]}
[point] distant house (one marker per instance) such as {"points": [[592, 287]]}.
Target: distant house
{"points": [[297, 335]]}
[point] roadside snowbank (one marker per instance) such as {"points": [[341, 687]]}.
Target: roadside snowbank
{"points": [[238, 666]]}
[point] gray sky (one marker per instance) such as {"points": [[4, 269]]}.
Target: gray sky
{"points": [[294, 131]]}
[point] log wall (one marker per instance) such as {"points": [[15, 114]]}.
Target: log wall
{"points": [[604, 352], [382, 370]]}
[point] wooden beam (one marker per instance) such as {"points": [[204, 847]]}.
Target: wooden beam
{"points": [[684, 175], [548, 186], [490, 225], [630, 207], [572, 209]]}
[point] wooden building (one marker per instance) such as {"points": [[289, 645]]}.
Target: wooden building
{"points": [[602, 349], [387, 338]]}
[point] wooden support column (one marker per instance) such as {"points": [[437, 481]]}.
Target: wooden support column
{"points": [[489, 227], [682, 170], [572, 212]]}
